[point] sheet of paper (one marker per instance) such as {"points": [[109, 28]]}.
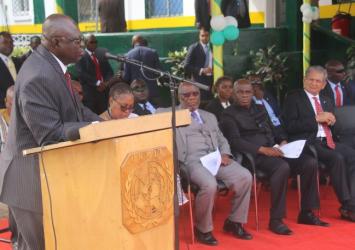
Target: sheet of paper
{"points": [[212, 161], [293, 149]]}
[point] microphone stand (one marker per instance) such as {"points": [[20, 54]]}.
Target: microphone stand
{"points": [[173, 85]]}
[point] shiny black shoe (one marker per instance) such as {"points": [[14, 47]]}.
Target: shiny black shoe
{"points": [[347, 214], [308, 218], [206, 238], [236, 229], [278, 227]]}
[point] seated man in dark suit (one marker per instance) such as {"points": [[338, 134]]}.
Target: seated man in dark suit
{"points": [[199, 139], [199, 62], [9, 66], [224, 89], [248, 128], [142, 105], [336, 89], [309, 115]]}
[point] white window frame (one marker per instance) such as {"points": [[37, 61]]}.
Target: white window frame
{"points": [[28, 17]]}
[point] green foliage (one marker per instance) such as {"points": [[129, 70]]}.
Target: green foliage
{"points": [[19, 51], [350, 52], [270, 66], [176, 59]]}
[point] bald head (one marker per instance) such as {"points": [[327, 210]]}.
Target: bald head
{"points": [[62, 37], [139, 40]]}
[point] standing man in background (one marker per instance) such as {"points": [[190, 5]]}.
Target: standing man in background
{"points": [[44, 109], [94, 71], [199, 61], [35, 41], [9, 66], [112, 16]]}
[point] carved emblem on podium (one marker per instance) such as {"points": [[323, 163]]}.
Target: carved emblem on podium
{"points": [[147, 189]]}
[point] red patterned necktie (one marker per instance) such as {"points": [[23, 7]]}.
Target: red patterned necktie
{"points": [[97, 68], [68, 81], [337, 96], [328, 133]]}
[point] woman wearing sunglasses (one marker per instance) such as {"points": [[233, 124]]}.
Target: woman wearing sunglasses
{"points": [[120, 103]]}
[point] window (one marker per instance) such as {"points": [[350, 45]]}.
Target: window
{"points": [[21, 8], [163, 8], [86, 10]]}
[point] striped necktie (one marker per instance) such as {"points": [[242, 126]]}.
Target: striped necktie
{"points": [[328, 133]]}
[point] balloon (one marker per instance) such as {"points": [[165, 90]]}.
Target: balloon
{"points": [[306, 20], [218, 23], [217, 38], [305, 6], [231, 33], [315, 13], [231, 21], [308, 13]]}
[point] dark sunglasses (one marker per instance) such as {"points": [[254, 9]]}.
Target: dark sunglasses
{"points": [[123, 107], [340, 71], [139, 89], [188, 94]]}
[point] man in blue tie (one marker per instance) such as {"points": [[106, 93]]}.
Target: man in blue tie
{"points": [[203, 138]]}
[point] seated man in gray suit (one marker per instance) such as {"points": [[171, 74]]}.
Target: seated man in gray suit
{"points": [[201, 138]]}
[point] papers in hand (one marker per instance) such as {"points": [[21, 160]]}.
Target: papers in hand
{"points": [[212, 161], [293, 149]]}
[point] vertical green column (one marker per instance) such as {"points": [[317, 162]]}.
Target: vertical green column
{"points": [[68, 7], [39, 12], [294, 24]]}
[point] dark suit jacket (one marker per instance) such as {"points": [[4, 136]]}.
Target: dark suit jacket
{"points": [[215, 107], [194, 62], [248, 129], [347, 97], [43, 110], [87, 77], [148, 57], [140, 111], [6, 79], [202, 15], [231, 8], [299, 117]]}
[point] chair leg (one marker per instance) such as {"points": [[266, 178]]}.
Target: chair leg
{"points": [[299, 192], [256, 202], [318, 189], [191, 215]]}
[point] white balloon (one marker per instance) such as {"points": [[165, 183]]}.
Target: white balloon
{"points": [[218, 23], [315, 14], [305, 6], [231, 21], [308, 13], [306, 20]]}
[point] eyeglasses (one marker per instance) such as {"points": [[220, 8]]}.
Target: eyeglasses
{"points": [[124, 107], [188, 94], [139, 89], [340, 71], [74, 40]]}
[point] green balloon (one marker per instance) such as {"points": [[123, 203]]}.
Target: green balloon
{"points": [[231, 33], [217, 38]]}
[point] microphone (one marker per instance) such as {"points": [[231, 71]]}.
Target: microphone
{"points": [[72, 134], [114, 57]]}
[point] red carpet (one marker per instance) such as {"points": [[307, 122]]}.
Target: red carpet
{"points": [[340, 235]]}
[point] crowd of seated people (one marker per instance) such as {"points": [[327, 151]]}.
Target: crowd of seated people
{"points": [[242, 117]]}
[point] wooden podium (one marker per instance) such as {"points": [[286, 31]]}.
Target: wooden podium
{"points": [[113, 188]]}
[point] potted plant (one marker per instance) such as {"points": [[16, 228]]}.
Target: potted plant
{"points": [[270, 66], [176, 59]]}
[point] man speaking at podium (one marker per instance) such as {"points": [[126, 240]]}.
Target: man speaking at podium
{"points": [[45, 108]]}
